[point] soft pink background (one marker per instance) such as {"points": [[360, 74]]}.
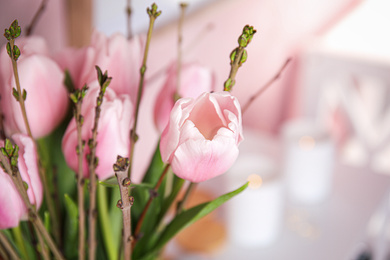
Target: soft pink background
{"points": [[282, 26]]}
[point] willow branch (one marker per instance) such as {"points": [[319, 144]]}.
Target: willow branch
{"points": [[266, 86], [183, 7], [44, 251], [152, 196], [104, 81], [19, 90], [8, 247], [238, 56], [32, 212], [125, 203], [128, 13], [80, 181], [153, 14], [20, 98], [36, 17]]}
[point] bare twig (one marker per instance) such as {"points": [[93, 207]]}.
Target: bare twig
{"points": [[128, 13], [21, 96], [183, 7], [36, 17], [152, 196], [153, 14], [104, 81], [266, 86], [8, 247], [80, 177], [44, 251], [238, 56], [32, 212], [125, 203]]}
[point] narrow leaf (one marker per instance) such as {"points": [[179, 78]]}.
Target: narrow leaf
{"points": [[71, 227], [191, 215]]}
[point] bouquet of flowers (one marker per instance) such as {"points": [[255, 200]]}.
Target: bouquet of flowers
{"points": [[68, 133]]}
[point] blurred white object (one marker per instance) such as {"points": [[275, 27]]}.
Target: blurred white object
{"points": [[308, 161], [255, 217], [348, 68]]}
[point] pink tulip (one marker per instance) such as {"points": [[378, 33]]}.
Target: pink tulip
{"points": [[202, 136], [115, 121], [194, 80], [122, 58], [41, 77], [12, 207]]}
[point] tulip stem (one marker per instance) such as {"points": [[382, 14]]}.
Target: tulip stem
{"points": [[153, 14], [128, 13], [17, 233], [80, 180], [266, 86], [183, 7], [32, 212], [8, 247], [152, 196], [36, 17], [181, 204], [125, 203]]}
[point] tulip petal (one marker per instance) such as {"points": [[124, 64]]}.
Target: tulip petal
{"points": [[200, 160]]}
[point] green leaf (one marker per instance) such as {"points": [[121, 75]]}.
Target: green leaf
{"points": [[99, 75], [24, 94], [9, 50], [16, 52], [68, 82], [8, 147], [47, 221], [177, 184], [71, 227], [191, 215], [15, 94], [7, 34]]}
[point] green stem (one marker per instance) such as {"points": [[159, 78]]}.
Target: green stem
{"points": [[105, 223], [153, 14], [19, 240], [180, 205], [143, 214]]}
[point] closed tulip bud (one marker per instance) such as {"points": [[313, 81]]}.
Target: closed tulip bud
{"points": [[202, 137], [116, 118], [12, 207], [121, 57], [194, 81], [41, 81]]}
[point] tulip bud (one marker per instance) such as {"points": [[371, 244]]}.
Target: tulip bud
{"points": [[202, 137], [12, 208], [121, 57], [116, 118]]}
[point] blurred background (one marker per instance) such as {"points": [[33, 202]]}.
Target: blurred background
{"points": [[316, 149]]}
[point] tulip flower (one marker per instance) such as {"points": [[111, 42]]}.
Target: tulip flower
{"points": [[42, 78], [122, 58], [202, 136], [194, 80], [114, 125], [12, 207]]}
